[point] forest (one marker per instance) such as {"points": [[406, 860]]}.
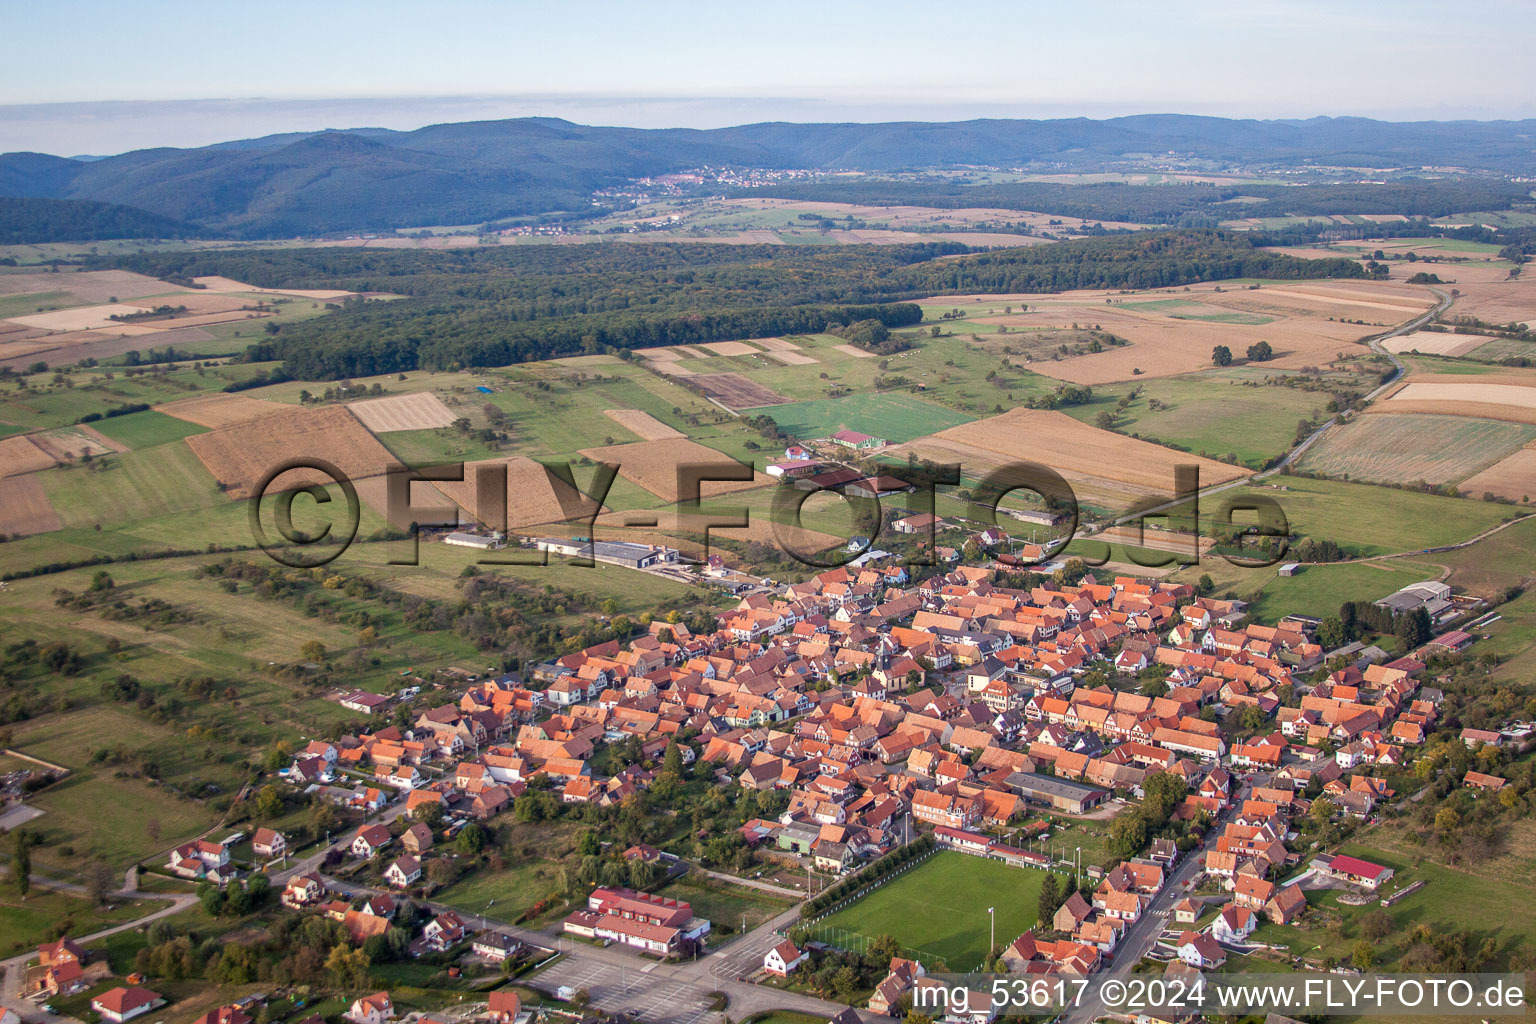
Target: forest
{"points": [[1168, 204], [27, 221], [494, 307]]}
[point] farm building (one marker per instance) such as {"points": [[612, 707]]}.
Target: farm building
{"points": [[614, 552], [1290, 569], [877, 487], [857, 441], [1431, 595], [792, 469], [474, 540], [1030, 515], [1061, 794], [918, 523], [363, 701]]}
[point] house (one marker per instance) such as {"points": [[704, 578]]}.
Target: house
{"points": [[269, 844], [370, 839], [200, 859], [503, 1006], [1200, 950], [782, 959], [1353, 870], [225, 1015], [443, 931], [1479, 780], [1286, 905], [374, 1009], [303, 891], [493, 945], [1186, 911], [403, 872], [125, 1003], [417, 839], [1234, 924]]}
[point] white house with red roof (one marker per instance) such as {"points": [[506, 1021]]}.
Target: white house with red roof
{"points": [[782, 959]]}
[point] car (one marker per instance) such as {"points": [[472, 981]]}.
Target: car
{"points": [[48, 1008]]}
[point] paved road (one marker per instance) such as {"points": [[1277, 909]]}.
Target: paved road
{"points": [[1142, 935], [618, 979]]}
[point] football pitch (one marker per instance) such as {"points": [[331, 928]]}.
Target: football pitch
{"points": [[939, 909]]}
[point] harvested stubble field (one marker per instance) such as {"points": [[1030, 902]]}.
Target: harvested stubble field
{"points": [[654, 464], [1410, 447], [373, 492], [89, 286], [642, 424], [855, 351], [66, 443], [219, 410], [1101, 465], [82, 318], [1513, 477], [533, 496], [1498, 302], [734, 391], [24, 507], [240, 454], [1437, 343], [20, 455], [1490, 396], [729, 348], [420, 410], [1172, 331]]}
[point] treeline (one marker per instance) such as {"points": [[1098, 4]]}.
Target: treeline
{"points": [[536, 282], [1149, 260], [1167, 204], [25, 221], [496, 307], [394, 337]]}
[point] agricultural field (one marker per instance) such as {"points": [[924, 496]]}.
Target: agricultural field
{"points": [[1241, 414], [146, 429], [1103, 467], [1412, 447], [938, 910], [1099, 337], [894, 416], [1507, 396], [654, 466]]}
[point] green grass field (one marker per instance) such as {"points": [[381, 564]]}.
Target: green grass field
{"points": [[1405, 448], [940, 908], [146, 429], [43, 915], [732, 908], [130, 486], [897, 417], [1221, 413]]}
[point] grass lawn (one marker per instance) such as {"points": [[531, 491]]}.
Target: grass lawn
{"points": [[895, 416], [131, 485], [146, 429], [726, 905], [1317, 590], [939, 909], [44, 915]]}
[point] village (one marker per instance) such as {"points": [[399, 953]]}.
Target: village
{"points": [[877, 719]]}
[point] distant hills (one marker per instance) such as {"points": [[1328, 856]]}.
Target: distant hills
{"points": [[372, 179]]}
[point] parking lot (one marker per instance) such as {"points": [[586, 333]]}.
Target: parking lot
{"points": [[614, 988]]}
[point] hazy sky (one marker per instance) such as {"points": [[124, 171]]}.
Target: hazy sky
{"points": [[100, 77]]}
